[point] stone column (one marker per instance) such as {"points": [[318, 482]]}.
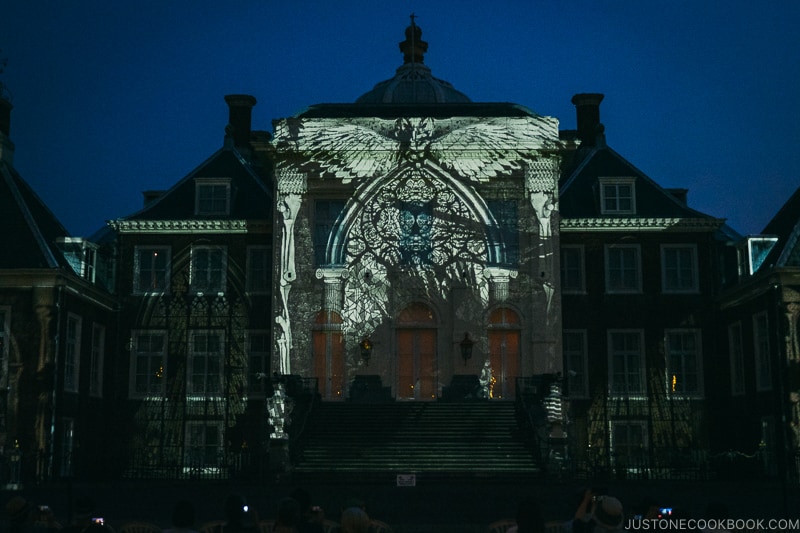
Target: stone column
{"points": [[499, 279], [291, 188], [332, 278]]}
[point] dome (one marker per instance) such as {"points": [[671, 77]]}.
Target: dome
{"points": [[413, 82]]}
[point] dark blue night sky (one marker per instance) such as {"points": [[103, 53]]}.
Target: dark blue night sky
{"points": [[113, 98]]}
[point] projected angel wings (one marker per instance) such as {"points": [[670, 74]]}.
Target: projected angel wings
{"points": [[476, 148]]}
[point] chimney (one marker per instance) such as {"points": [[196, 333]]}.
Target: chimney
{"points": [[588, 108], [6, 146], [239, 118]]}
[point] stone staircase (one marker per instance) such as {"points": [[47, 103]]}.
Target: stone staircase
{"points": [[430, 439]]}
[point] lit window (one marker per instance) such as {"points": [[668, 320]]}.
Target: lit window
{"points": [[684, 362], [626, 363], [96, 361], [575, 359], [72, 353], [208, 273], [205, 364], [212, 196], [573, 278], [761, 346], [623, 268], [148, 361], [151, 269], [329, 354], [679, 268], [617, 196], [416, 225], [736, 352], [258, 269]]}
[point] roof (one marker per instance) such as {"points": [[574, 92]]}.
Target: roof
{"points": [[579, 195], [785, 225], [413, 82], [30, 223], [250, 197], [491, 109]]}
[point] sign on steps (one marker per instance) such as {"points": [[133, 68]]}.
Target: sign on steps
{"points": [[406, 480]]}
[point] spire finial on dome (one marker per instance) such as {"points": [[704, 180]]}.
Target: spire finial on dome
{"points": [[413, 47]]}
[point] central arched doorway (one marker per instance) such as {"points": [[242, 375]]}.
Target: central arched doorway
{"points": [[417, 369]]}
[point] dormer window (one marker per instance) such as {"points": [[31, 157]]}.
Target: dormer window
{"points": [[212, 196], [617, 196]]}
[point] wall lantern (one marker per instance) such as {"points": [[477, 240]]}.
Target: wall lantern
{"points": [[466, 348], [366, 349]]}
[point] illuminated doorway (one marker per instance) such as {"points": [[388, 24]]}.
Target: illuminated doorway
{"points": [[504, 355], [328, 343], [417, 375]]}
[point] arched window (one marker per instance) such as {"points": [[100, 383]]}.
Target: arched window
{"points": [[504, 352], [328, 347]]}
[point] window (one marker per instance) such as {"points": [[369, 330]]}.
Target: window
{"points": [[72, 353], [203, 445], [752, 252], [573, 278], [212, 196], [617, 196], [257, 363], [205, 364], [679, 268], [208, 271], [96, 361], [148, 361], [416, 224], [736, 353], [67, 446], [575, 362], [684, 362], [628, 440], [326, 212], [762, 355], [151, 269], [505, 213], [626, 363], [258, 269], [623, 268]]}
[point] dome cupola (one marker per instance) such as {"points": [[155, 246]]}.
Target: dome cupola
{"points": [[413, 82]]}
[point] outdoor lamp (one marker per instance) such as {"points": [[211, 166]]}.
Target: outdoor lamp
{"points": [[366, 349], [466, 348]]}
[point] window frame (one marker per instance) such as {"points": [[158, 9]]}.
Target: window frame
{"points": [[195, 272], [581, 270], [134, 367], [617, 182], [695, 281], [189, 464], [614, 248], [72, 353], [137, 269], [640, 355], [669, 351], [210, 183], [581, 377], [67, 447], [613, 426], [761, 353], [194, 355], [267, 274], [97, 360], [738, 383]]}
